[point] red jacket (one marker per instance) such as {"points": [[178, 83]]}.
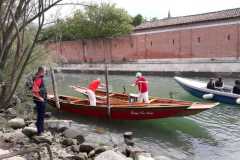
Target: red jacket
{"points": [[94, 85], [38, 88], [142, 84]]}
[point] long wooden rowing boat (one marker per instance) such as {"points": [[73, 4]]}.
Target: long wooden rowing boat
{"points": [[123, 107]]}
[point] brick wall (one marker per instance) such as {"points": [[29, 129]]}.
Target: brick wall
{"points": [[199, 42]]}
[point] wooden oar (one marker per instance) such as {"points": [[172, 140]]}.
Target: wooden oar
{"points": [[83, 90], [79, 89], [54, 84]]}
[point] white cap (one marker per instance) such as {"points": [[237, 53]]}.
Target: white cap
{"points": [[138, 74]]}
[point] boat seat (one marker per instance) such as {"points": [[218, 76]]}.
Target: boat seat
{"points": [[133, 95], [152, 100], [78, 100], [86, 101], [99, 102], [105, 97]]}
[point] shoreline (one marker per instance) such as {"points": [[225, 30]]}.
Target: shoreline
{"points": [[65, 140], [166, 68], [154, 73]]}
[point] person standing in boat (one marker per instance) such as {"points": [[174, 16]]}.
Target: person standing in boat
{"points": [[40, 98], [142, 84], [92, 87], [210, 84], [236, 87]]}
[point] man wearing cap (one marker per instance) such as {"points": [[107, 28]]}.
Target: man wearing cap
{"points": [[92, 87], [142, 88]]}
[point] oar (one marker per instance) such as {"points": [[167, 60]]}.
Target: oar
{"points": [[54, 84], [79, 89]]}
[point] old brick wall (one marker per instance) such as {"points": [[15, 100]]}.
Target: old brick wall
{"points": [[199, 42], [67, 52]]}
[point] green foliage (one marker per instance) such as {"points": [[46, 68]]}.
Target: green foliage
{"points": [[95, 21], [21, 23], [38, 57], [153, 19], [137, 20]]}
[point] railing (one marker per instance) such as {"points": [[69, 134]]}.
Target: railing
{"points": [[29, 150]]}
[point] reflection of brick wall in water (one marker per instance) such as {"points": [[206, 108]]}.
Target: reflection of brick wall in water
{"points": [[213, 41]]}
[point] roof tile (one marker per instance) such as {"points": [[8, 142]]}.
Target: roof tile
{"points": [[224, 14]]}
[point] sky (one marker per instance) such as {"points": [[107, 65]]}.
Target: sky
{"points": [[153, 8]]}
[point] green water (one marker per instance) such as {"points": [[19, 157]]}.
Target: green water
{"points": [[210, 135]]}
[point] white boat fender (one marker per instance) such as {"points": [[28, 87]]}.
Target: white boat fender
{"points": [[208, 96], [238, 100]]}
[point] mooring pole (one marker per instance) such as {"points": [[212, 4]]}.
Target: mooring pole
{"points": [[54, 85], [107, 90]]}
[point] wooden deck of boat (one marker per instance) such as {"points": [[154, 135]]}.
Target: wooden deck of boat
{"points": [[114, 102]]}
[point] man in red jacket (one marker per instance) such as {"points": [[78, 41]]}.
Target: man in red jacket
{"points": [[92, 87], [142, 84], [39, 92]]}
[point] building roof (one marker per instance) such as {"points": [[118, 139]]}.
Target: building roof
{"points": [[210, 16]]}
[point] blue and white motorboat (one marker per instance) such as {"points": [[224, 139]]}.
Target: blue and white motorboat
{"points": [[199, 89]]}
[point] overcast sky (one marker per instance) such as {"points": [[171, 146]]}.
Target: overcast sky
{"points": [[156, 8]]}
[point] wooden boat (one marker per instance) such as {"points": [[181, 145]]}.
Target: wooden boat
{"points": [[123, 109], [199, 89]]}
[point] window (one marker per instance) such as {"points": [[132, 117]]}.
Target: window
{"points": [[228, 37], [173, 41], [151, 43], [199, 40], [131, 45]]}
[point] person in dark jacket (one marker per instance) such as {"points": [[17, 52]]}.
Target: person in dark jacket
{"points": [[219, 82], [40, 98], [236, 87], [210, 84]]}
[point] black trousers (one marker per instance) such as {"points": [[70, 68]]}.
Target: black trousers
{"points": [[40, 107]]}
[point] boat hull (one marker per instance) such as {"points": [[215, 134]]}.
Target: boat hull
{"points": [[199, 92], [130, 113]]}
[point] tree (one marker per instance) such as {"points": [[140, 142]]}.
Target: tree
{"points": [[137, 20], [95, 21], [21, 22], [153, 19]]}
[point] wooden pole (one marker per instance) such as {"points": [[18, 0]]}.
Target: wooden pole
{"points": [[106, 79], [107, 89], [54, 84]]}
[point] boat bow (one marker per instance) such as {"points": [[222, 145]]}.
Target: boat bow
{"points": [[202, 106]]}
